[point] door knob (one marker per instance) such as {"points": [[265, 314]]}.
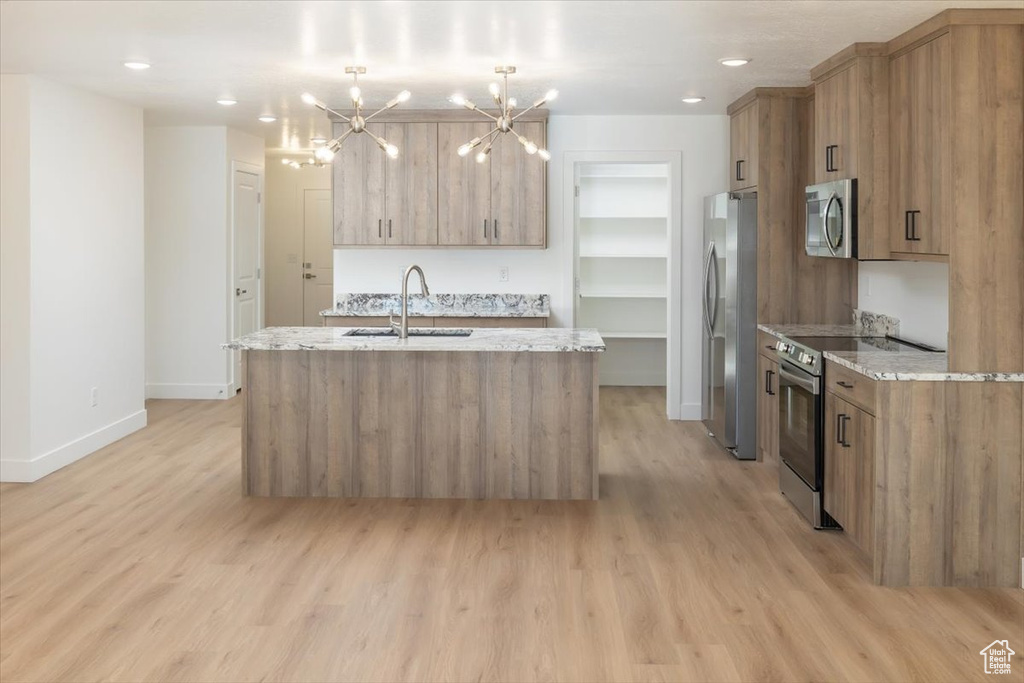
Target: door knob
{"points": [[309, 276], [239, 291]]}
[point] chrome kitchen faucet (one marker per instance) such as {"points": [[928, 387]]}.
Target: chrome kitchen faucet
{"points": [[402, 328]]}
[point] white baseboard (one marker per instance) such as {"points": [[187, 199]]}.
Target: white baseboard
{"points": [[37, 468], [689, 411], [190, 391]]}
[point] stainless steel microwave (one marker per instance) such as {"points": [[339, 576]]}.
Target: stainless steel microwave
{"points": [[832, 219]]}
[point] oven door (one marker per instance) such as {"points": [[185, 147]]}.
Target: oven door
{"points": [[801, 423]]}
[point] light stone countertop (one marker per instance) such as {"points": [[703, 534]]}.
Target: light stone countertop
{"points": [[919, 366], [550, 339], [442, 305]]}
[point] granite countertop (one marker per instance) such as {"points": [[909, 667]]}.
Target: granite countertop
{"points": [[905, 365], [442, 305], [549, 339]]}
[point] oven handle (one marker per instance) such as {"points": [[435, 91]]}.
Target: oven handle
{"points": [[801, 380]]}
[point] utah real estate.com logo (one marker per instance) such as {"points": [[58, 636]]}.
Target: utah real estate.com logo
{"points": [[997, 657]]}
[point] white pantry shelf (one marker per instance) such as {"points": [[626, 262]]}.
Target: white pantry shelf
{"points": [[621, 255], [632, 335], [623, 295]]}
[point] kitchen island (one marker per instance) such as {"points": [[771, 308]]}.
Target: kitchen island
{"points": [[495, 413]]}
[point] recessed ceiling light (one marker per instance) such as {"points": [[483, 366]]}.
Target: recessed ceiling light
{"points": [[137, 66], [227, 103], [693, 100], [318, 141], [733, 61], [268, 119]]}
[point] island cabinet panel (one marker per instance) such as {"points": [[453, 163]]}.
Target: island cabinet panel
{"points": [[850, 469], [411, 194], [515, 425], [358, 186]]}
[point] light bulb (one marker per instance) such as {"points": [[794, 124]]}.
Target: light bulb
{"points": [[354, 92], [324, 154], [530, 147], [295, 164], [308, 98], [285, 161], [391, 151], [550, 95], [465, 149], [457, 99], [481, 157], [544, 154], [495, 90], [404, 96], [512, 102]]}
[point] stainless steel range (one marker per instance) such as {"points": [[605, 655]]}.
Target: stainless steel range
{"points": [[802, 415]]}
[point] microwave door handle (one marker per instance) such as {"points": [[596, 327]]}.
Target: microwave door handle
{"points": [[824, 224]]}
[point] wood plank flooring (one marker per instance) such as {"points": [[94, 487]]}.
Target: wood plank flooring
{"points": [[143, 562]]}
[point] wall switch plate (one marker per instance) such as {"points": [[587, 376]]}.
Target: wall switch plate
{"points": [[94, 397], [503, 274]]}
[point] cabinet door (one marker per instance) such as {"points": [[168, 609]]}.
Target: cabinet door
{"points": [[411, 196], [517, 189], [835, 126], [850, 469], [768, 409], [743, 129], [463, 187], [920, 111], [358, 172]]}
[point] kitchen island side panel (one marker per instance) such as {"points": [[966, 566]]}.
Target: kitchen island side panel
{"points": [[421, 424]]}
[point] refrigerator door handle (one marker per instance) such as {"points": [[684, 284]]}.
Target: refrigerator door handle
{"points": [[713, 312], [704, 301]]}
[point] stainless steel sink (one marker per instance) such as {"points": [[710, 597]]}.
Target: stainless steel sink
{"points": [[414, 332]]}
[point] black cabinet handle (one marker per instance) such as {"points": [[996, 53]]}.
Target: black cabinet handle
{"points": [[380, 228], [910, 226], [389, 228], [830, 158], [844, 385], [495, 228], [768, 382], [485, 228], [739, 170], [841, 430]]}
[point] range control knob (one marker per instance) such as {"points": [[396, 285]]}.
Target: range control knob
{"points": [[782, 346], [806, 357]]}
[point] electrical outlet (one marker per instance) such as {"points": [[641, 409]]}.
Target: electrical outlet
{"points": [[94, 397], [503, 274]]}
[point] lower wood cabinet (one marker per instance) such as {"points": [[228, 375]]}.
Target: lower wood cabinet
{"points": [[768, 409], [850, 469]]}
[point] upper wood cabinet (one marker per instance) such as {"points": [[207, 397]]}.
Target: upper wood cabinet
{"points": [[358, 182], [411, 188], [744, 139], [920, 197], [518, 183], [851, 136], [429, 195], [464, 187]]}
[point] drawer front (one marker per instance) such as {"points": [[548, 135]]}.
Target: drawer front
{"points": [[850, 386], [766, 343]]}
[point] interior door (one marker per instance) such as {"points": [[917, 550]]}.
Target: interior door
{"points": [[463, 187], [317, 256], [517, 189], [359, 188], [411, 216], [246, 266]]}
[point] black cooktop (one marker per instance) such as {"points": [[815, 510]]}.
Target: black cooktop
{"points": [[854, 344]]}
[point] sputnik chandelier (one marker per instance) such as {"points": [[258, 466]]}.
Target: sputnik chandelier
{"points": [[504, 122], [312, 161], [357, 123]]}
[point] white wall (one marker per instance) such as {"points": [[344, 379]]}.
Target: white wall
{"points": [[915, 292], [15, 236], [704, 142], [188, 257], [86, 280], [285, 194]]}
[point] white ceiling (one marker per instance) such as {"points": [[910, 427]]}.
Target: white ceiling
{"points": [[604, 57]]}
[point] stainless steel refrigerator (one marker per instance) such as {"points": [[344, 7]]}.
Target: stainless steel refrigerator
{"points": [[729, 399]]}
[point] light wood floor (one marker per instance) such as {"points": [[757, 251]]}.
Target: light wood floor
{"points": [[144, 563]]}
